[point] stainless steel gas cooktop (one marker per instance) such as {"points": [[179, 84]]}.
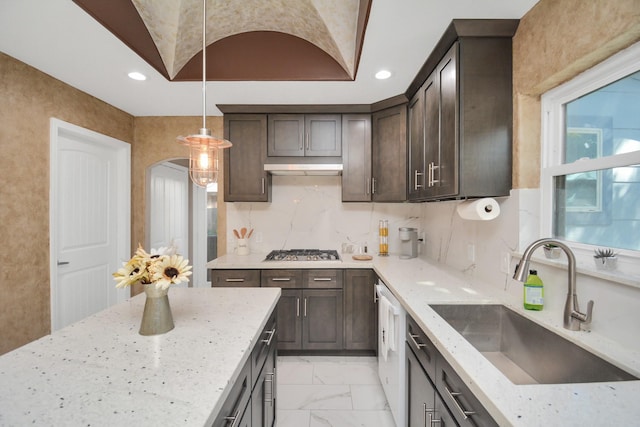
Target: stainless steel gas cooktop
{"points": [[303, 255]]}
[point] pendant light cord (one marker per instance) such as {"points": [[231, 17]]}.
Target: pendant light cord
{"points": [[204, 64]]}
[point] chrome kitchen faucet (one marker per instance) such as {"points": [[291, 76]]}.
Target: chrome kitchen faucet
{"points": [[572, 317]]}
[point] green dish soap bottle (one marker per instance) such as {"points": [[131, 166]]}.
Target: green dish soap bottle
{"points": [[533, 292]]}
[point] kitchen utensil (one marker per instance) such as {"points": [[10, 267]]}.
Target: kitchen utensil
{"points": [[243, 232], [250, 233], [235, 233]]}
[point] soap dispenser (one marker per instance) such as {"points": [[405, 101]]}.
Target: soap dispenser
{"points": [[533, 292]]}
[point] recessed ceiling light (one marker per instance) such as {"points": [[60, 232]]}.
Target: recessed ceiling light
{"points": [[137, 76], [383, 74]]}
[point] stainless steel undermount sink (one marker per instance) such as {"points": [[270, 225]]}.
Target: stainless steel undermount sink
{"points": [[524, 351]]}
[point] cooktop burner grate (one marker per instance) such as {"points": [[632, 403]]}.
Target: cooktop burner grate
{"points": [[303, 255]]}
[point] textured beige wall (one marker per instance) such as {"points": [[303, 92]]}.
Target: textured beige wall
{"points": [[28, 99], [557, 40], [155, 142]]}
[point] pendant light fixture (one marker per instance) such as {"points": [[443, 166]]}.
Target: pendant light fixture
{"points": [[204, 148]]}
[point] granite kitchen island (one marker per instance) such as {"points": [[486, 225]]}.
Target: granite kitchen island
{"points": [[101, 372]]}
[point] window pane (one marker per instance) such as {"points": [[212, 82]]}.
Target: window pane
{"points": [[604, 122], [600, 208]]}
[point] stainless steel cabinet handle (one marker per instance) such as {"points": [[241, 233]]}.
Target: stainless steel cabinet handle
{"points": [[234, 419], [281, 279], [271, 333], [297, 307], [416, 343], [305, 307], [231, 279], [373, 186], [366, 186], [268, 397], [307, 138], [375, 295], [63, 262], [416, 174], [322, 279], [453, 395], [263, 186]]}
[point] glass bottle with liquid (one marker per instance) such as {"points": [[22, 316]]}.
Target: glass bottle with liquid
{"points": [[383, 231]]}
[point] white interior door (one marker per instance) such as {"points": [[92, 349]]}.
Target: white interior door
{"points": [[168, 212], [90, 217]]}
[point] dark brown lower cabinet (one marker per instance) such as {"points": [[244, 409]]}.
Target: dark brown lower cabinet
{"points": [[310, 319], [424, 405], [289, 323], [360, 311], [436, 395], [263, 398], [322, 319]]}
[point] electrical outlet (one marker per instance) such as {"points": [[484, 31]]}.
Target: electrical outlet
{"points": [[422, 238], [505, 262], [259, 237], [471, 252]]}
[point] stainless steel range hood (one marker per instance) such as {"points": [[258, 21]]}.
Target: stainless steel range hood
{"points": [[303, 169]]}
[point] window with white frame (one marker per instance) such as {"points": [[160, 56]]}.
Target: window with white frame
{"points": [[590, 177]]}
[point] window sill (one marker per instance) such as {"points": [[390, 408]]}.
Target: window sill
{"points": [[632, 280]]}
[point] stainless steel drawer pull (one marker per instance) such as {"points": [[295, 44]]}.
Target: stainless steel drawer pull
{"points": [[234, 419], [416, 343], [281, 279], [305, 307], [271, 333], [297, 307], [231, 279], [322, 279], [63, 262], [373, 186], [453, 395]]}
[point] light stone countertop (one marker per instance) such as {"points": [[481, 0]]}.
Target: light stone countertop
{"points": [[417, 283], [101, 372]]}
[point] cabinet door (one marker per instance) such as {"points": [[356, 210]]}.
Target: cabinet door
{"points": [[235, 278], [263, 399], [447, 170], [286, 135], [322, 325], [389, 155], [420, 393], [244, 177], [431, 95], [360, 314], [356, 158], [289, 323], [417, 178], [323, 135]]}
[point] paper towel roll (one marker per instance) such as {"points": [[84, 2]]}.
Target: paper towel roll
{"points": [[482, 209]]}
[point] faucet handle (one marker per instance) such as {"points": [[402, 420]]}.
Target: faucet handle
{"points": [[589, 312]]}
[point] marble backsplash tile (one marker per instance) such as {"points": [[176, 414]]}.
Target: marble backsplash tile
{"points": [[307, 212]]}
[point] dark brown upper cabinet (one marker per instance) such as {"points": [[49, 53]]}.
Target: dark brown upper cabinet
{"points": [[356, 158], [460, 114], [389, 155], [244, 177], [305, 135]]}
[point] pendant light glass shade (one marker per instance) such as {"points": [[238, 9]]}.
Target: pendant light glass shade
{"points": [[203, 148]]}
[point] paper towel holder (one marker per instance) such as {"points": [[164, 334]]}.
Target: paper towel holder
{"points": [[484, 209]]}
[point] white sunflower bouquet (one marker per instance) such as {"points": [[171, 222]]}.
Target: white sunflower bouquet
{"points": [[162, 267]]}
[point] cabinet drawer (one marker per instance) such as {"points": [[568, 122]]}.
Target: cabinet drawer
{"points": [[235, 278], [237, 402], [265, 343], [423, 347], [327, 279], [464, 406], [282, 278]]}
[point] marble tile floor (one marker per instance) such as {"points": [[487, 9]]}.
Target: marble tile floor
{"points": [[328, 391]]}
